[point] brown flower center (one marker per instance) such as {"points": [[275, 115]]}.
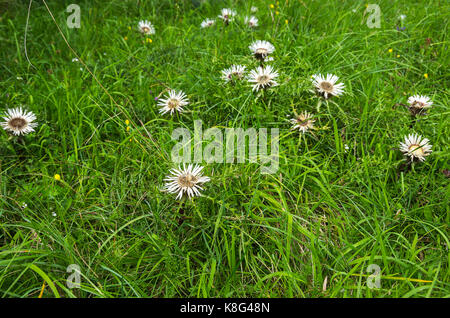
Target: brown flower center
{"points": [[416, 150], [326, 86], [17, 123], [302, 122], [418, 105], [261, 51], [145, 29], [187, 180], [263, 79], [236, 75], [173, 103]]}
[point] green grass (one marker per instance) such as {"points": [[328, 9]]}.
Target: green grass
{"points": [[326, 215]]}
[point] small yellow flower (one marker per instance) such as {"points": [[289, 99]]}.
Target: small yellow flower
{"points": [[271, 6], [125, 38], [277, 13], [128, 128], [57, 177], [390, 50], [286, 21], [425, 75], [148, 40], [398, 55], [127, 122]]}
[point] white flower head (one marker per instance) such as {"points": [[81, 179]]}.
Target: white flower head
{"points": [[303, 122], [415, 146], [227, 15], [146, 27], [254, 9], [263, 77], [18, 121], [207, 23], [232, 73], [174, 102], [251, 21], [327, 86], [261, 49], [419, 102], [402, 17], [186, 181]]}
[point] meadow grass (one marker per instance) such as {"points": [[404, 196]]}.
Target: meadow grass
{"points": [[309, 230]]}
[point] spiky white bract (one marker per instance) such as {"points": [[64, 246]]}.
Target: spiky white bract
{"points": [[207, 23], [328, 86], [420, 102], [263, 77], [174, 102], [227, 15], [251, 21], [18, 121], [415, 146], [146, 27], [234, 72], [303, 122], [186, 181], [261, 49]]}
